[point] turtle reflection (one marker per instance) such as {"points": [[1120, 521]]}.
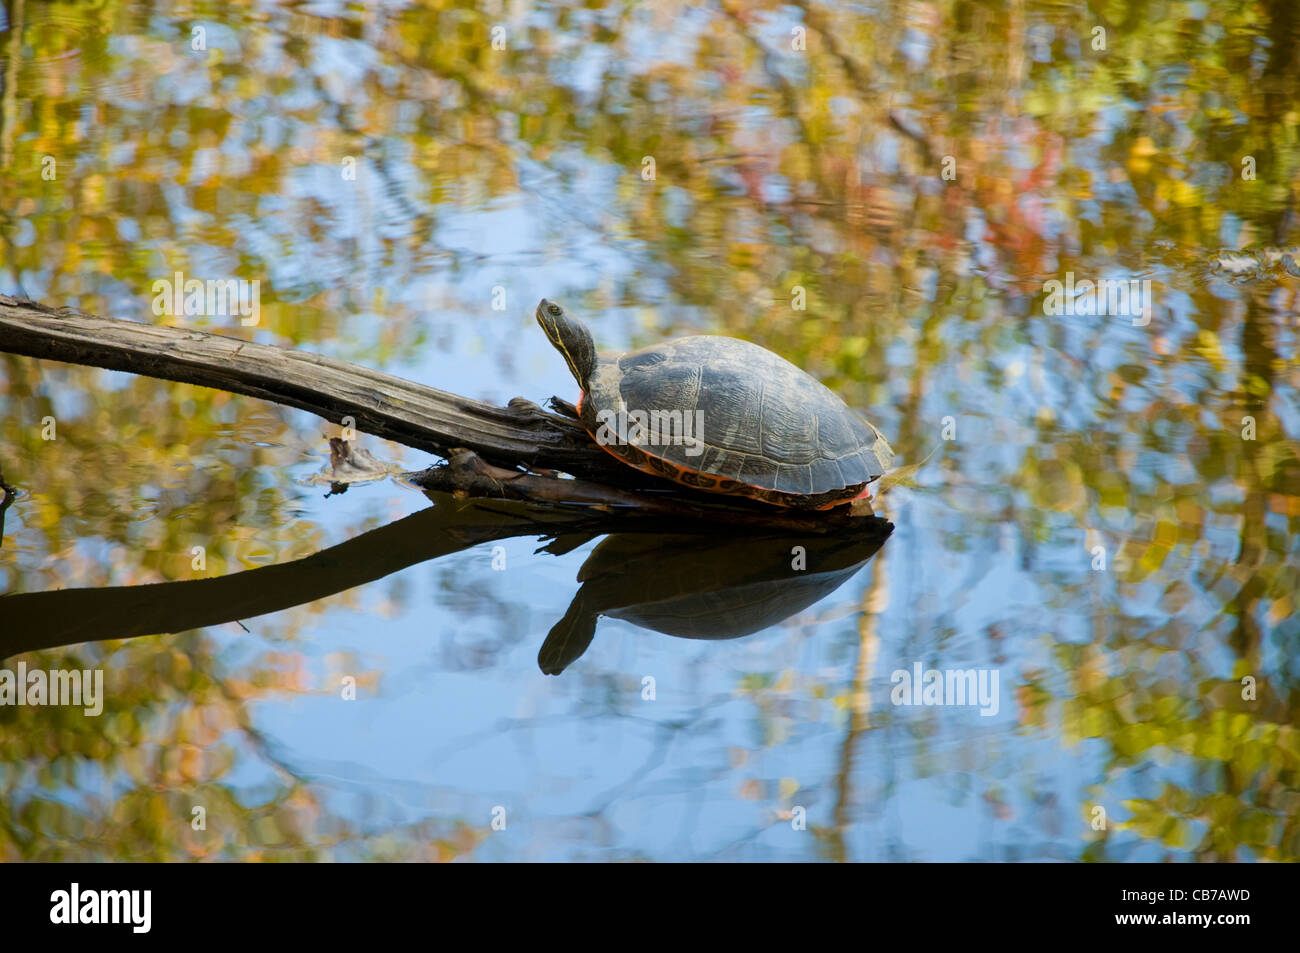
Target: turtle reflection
{"points": [[696, 587]]}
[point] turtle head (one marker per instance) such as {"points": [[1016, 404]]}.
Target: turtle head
{"points": [[571, 338]]}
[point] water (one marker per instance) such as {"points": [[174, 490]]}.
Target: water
{"points": [[1105, 517]]}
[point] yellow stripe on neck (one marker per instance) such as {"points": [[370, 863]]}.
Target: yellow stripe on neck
{"points": [[568, 358]]}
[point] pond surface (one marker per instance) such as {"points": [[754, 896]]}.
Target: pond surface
{"points": [[1104, 517]]}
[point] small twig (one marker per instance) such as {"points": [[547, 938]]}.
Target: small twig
{"points": [[9, 493]]}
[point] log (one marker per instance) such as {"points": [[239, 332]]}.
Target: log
{"points": [[465, 474], [380, 404]]}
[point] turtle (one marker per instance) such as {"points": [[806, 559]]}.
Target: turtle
{"points": [[704, 587], [739, 420]]}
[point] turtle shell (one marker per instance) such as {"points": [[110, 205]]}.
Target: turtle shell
{"points": [[747, 423]]}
